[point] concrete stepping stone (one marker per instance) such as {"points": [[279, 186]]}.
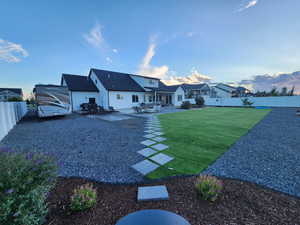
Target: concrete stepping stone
{"points": [[158, 133], [145, 167], [148, 142], [147, 152], [149, 131], [158, 139], [161, 158], [150, 136], [153, 193], [160, 147]]}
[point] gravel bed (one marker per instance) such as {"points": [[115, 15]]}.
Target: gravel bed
{"points": [[84, 147], [268, 155]]}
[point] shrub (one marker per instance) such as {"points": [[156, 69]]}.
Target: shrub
{"points": [[208, 187], [25, 181], [246, 102], [15, 99], [186, 105], [199, 101], [84, 197]]}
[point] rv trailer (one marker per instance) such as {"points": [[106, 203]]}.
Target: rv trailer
{"points": [[52, 100]]}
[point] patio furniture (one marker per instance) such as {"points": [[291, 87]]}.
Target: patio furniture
{"points": [[153, 217]]}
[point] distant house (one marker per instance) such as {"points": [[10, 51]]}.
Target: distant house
{"points": [[119, 90], [195, 90], [7, 93], [222, 90]]}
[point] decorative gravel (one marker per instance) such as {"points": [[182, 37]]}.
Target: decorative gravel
{"points": [[84, 147], [268, 155]]}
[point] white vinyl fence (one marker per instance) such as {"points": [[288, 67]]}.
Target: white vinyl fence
{"points": [[10, 114], [280, 101]]}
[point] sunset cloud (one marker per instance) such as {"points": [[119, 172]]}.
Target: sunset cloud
{"points": [[11, 52]]}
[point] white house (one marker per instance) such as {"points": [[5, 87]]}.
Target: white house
{"points": [[119, 90], [7, 93]]}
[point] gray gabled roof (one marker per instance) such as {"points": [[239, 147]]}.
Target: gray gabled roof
{"points": [[115, 81], [17, 91], [193, 86], [79, 83]]}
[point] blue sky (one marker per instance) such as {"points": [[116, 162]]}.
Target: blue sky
{"points": [[178, 41]]}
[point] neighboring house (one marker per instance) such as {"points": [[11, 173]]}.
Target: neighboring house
{"points": [[119, 90], [195, 90], [7, 93], [221, 90]]}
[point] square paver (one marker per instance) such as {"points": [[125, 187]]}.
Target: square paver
{"points": [[147, 152], [158, 133], [149, 131], [156, 128], [148, 142], [161, 158], [150, 136], [160, 147], [145, 167], [158, 139], [153, 193]]}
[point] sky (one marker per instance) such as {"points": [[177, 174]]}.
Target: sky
{"points": [[249, 42]]}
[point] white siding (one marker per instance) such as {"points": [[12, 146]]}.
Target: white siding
{"points": [[145, 82], [103, 93], [126, 101], [78, 97], [10, 114], [175, 101], [221, 93]]}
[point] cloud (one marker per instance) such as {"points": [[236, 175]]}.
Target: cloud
{"points": [[95, 37], [146, 68], [11, 52], [108, 59], [193, 78], [248, 5], [115, 50], [190, 34], [266, 82]]}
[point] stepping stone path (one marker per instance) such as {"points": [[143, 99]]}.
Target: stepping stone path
{"points": [[145, 167], [153, 130], [154, 193], [161, 158], [147, 152], [160, 147], [148, 142]]}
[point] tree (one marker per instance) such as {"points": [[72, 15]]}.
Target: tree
{"points": [[284, 91], [291, 92]]}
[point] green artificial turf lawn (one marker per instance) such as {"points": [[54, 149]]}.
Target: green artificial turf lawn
{"points": [[196, 138]]}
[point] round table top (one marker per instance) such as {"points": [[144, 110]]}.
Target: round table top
{"points": [[152, 217]]}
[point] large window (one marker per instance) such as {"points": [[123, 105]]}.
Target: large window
{"points": [[135, 98], [179, 98]]}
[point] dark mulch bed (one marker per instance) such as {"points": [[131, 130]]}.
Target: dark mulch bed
{"points": [[241, 203]]}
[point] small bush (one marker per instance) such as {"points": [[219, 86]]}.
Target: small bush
{"points": [[84, 197], [25, 181], [208, 187], [247, 103], [186, 105], [15, 99], [199, 101]]}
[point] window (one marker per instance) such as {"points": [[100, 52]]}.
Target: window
{"points": [[150, 98], [151, 81], [135, 98], [119, 97], [179, 98], [92, 100]]}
